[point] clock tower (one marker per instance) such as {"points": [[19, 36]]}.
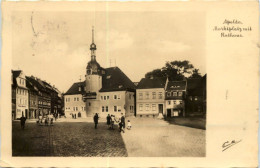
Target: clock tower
{"points": [[93, 81]]}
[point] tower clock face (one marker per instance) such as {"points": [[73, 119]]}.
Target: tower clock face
{"points": [[88, 71]]}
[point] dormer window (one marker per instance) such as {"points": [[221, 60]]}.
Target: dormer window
{"points": [[80, 89], [120, 86], [109, 76]]}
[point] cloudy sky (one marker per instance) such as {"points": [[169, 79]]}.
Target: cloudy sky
{"points": [[54, 46]]}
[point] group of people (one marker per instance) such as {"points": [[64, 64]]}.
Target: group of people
{"points": [[112, 121], [48, 120]]}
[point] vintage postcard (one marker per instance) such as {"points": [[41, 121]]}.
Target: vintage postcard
{"points": [[129, 84]]}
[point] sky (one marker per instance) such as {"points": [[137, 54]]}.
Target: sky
{"points": [[54, 46]]}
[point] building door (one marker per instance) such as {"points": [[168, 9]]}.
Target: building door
{"points": [[160, 106], [169, 112], [26, 113]]}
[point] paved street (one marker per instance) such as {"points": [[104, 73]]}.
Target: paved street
{"points": [[148, 137]]}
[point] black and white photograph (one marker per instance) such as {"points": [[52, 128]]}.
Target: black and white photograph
{"points": [[117, 84], [129, 84]]}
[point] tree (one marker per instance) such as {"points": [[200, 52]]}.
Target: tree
{"points": [[175, 70]]}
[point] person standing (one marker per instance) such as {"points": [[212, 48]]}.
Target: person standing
{"points": [[96, 120], [23, 119], [123, 122], [108, 121], [112, 121]]}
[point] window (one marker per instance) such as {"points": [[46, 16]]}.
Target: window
{"points": [[154, 95], [174, 93], [141, 107], [76, 108], [103, 108], [168, 94], [180, 93], [115, 108], [130, 97], [107, 97], [140, 96], [169, 102], [17, 91], [180, 101], [106, 108], [119, 108], [174, 102], [73, 108], [153, 107], [109, 76], [80, 89], [190, 97], [147, 95], [77, 99], [101, 97], [160, 95], [147, 107], [115, 96], [195, 98], [119, 97]]}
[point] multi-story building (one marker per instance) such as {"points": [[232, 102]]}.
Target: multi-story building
{"points": [[33, 99], [19, 95], [150, 97], [196, 96], [73, 101], [44, 98], [117, 94], [175, 98]]}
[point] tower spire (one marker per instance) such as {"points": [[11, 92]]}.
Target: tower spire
{"points": [[93, 46], [93, 34]]}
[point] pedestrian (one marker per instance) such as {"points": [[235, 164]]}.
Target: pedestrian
{"points": [[46, 121], [108, 121], [129, 126], [123, 121], [23, 119], [96, 120], [112, 121]]}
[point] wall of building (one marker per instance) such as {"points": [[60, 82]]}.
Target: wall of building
{"points": [[21, 102], [148, 104], [129, 104], [175, 106], [93, 83], [114, 105], [73, 104]]}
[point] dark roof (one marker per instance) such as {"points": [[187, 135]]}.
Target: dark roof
{"points": [[176, 85], [115, 80], [195, 86], [74, 89], [15, 75], [35, 82], [147, 83], [29, 84]]}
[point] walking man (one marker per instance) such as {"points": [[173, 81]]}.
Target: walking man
{"points": [[23, 119], [96, 120]]}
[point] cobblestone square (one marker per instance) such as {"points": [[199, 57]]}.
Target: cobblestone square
{"points": [[148, 138]]}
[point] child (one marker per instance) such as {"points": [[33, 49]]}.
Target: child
{"points": [[129, 125]]}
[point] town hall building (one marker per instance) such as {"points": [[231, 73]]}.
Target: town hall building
{"points": [[106, 90]]}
